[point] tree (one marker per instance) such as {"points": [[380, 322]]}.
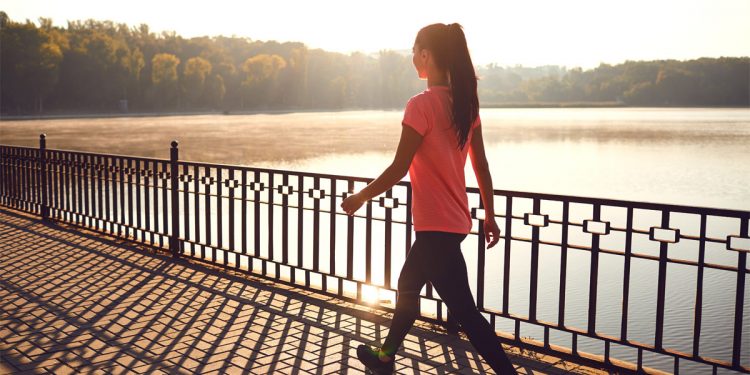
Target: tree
{"points": [[30, 65], [165, 80], [215, 92], [194, 80], [136, 64], [260, 73], [90, 65]]}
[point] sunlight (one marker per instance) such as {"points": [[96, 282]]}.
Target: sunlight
{"points": [[370, 294], [374, 296]]}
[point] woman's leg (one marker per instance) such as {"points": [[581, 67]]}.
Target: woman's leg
{"points": [[451, 281], [410, 283]]}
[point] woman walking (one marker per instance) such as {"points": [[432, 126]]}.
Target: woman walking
{"points": [[441, 126]]}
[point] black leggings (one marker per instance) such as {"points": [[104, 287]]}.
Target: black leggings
{"points": [[437, 257]]}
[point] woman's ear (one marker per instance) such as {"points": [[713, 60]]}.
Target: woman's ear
{"points": [[425, 54]]}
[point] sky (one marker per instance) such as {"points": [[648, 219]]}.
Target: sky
{"points": [[571, 33]]}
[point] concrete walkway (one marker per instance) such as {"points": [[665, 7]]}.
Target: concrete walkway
{"points": [[73, 301]]}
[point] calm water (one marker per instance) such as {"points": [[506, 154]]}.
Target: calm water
{"points": [[685, 156], [688, 156]]}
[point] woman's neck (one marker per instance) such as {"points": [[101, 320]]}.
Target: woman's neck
{"points": [[437, 78], [438, 83]]}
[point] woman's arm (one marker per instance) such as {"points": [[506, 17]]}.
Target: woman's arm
{"points": [[407, 147], [482, 171]]}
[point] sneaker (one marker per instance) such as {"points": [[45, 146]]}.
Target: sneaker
{"points": [[369, 358]]}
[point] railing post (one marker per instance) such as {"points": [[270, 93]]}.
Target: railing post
{"points": [[44, 208], [174, 238]]}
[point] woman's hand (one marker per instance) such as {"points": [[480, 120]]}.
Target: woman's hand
{"points": [[491, 232], [352, 203]]}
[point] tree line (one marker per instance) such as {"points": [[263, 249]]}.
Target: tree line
{"points": [[721, 81], [100, 66]]}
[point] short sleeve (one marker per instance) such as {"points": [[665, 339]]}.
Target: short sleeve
{"points": [[477, 123], [414, 117]]}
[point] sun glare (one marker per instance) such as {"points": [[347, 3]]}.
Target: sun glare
{"points": [[370, 294], [375, 296]]}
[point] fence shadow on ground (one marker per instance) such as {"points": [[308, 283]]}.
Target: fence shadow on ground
{"points": [[77, 301]]}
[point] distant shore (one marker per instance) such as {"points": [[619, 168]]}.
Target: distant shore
{"points": [[94, 115]]}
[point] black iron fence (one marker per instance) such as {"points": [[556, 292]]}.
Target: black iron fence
{"points": [[624, 285]]}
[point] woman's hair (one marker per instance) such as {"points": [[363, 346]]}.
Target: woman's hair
{"points": [[447, 44]]}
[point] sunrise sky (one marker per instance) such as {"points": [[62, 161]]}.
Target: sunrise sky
{"points": [[571, 33]]}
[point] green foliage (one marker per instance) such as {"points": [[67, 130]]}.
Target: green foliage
{"points": [[165, 80], [91, 66], [164, 69], [260, 82], [703, 82], [30, 65], [197, 71]]}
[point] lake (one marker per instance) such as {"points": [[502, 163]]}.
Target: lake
{"points": [[698, 157], [674, 155]]}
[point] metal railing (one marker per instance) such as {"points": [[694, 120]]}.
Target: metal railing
{"points": [[287, 226]]}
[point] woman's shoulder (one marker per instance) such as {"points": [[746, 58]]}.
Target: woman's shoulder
{"points": [[420, 99]]}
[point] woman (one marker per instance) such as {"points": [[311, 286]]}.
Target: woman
{"points": [[440, 127]]}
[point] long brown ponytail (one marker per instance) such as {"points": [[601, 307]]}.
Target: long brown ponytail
{"points": [[450, 52]]}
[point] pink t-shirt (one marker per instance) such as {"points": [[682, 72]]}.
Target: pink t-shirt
{"points": [[439, 201]]}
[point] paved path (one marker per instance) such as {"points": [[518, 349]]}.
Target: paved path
{"points": [[73, 301]]}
